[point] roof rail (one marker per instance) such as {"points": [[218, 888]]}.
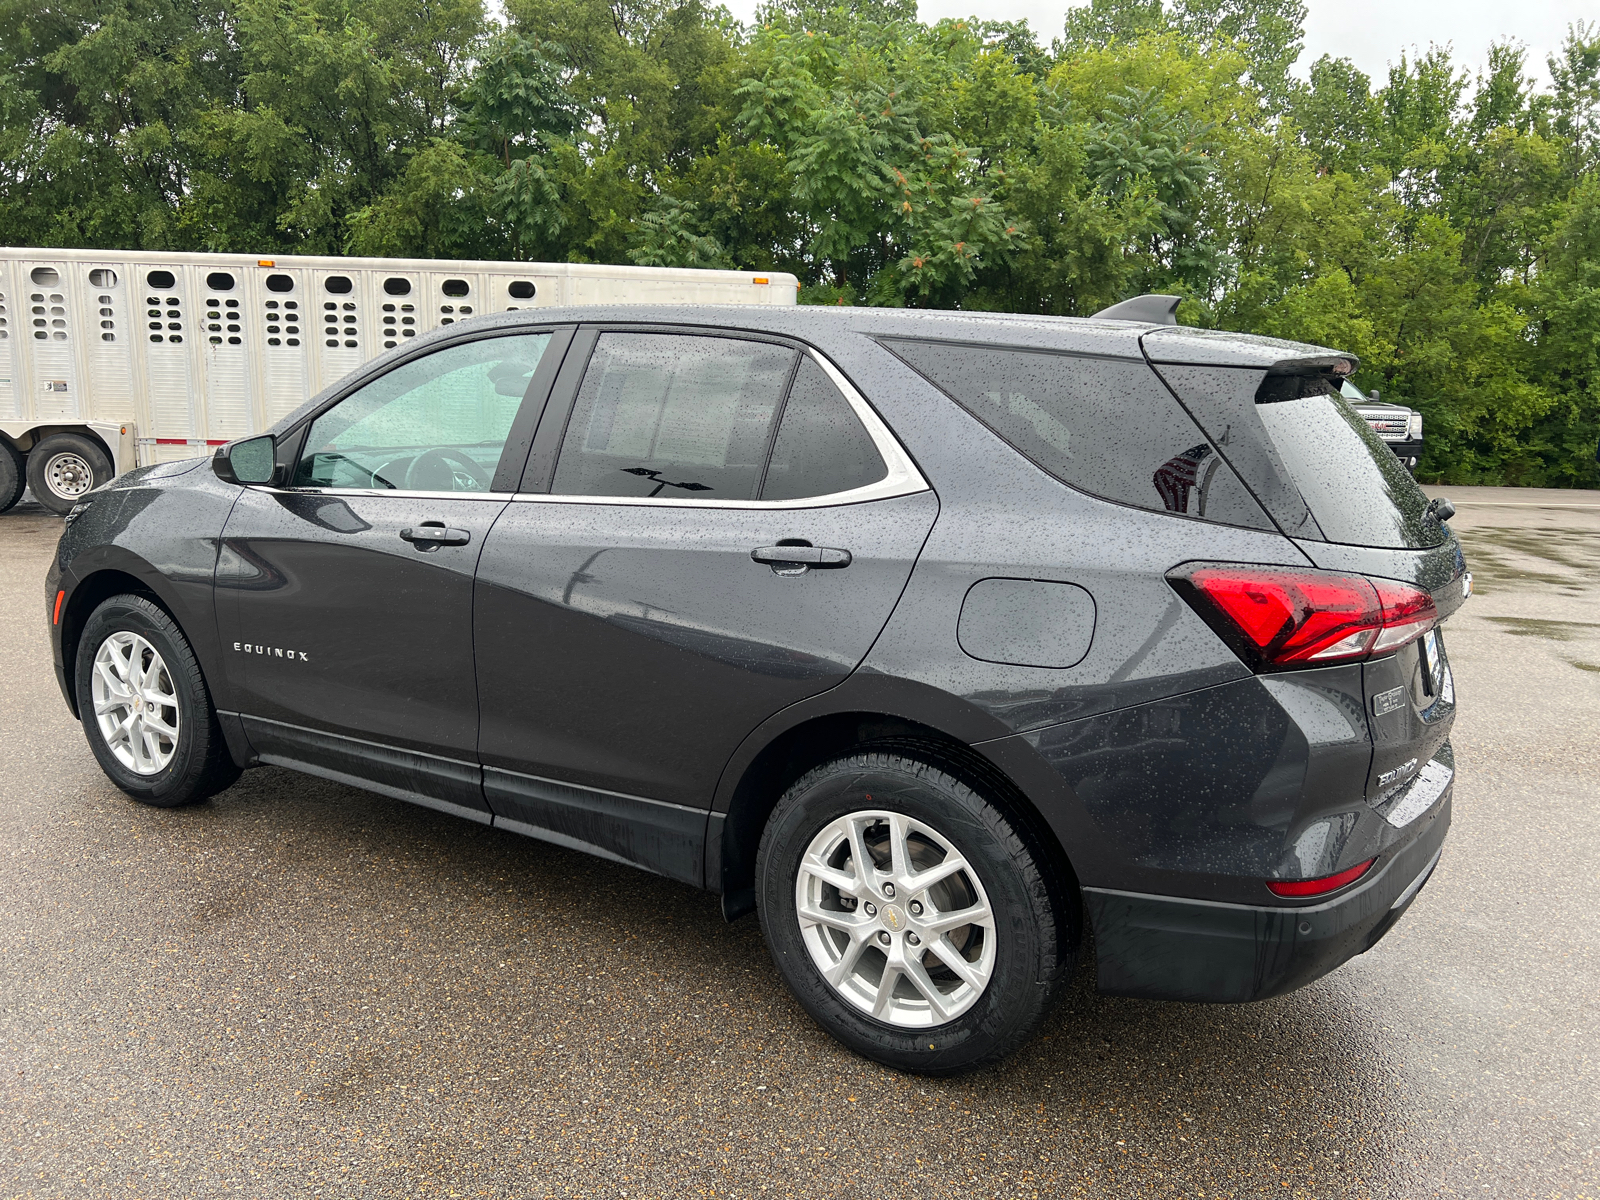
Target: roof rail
{"points": [[1152, 309]]}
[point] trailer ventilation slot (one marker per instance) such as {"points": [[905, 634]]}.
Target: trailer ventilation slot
{"points": [[166, 317], [333, 329], [400, 326], [49, 316], [108, 314], [283, 323], [4, 331], [222, 320]]}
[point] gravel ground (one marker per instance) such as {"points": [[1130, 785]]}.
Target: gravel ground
{"points": [[300, 989]]}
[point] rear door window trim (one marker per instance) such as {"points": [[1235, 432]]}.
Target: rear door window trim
{"points": [[902, 478]]}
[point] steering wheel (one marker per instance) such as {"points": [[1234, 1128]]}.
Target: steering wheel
{"points": [[436, 470]]}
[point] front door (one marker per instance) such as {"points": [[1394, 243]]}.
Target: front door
{"points": [[726, 533], [345, 599]]}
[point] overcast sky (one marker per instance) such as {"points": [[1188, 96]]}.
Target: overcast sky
{"points": [[1371, 33]]}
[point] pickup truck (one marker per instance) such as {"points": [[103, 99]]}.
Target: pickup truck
{"points": [[1397, 425]]}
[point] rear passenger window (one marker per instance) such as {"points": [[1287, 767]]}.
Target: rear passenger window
{"points": [[821, 447], [673, 416], [1105, 426]]}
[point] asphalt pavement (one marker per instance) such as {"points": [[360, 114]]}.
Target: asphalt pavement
{"points": [[300, 989]]}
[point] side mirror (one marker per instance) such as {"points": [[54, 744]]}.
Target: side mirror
{"points": [[253, 460]]}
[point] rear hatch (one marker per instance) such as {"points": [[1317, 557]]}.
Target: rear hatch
{"points": [[1274, 410]]}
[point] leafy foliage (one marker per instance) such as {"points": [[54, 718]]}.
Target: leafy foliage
{"points": [[1444, 225]]}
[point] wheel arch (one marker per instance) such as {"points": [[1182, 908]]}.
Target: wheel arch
{"points": [[24, 438], [938, 729], [86, 595]]}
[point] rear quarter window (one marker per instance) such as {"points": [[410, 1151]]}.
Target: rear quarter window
{"points": [[1105, 426]]}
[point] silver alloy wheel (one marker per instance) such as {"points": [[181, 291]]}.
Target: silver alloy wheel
{"points": [[68, 475], [135, 703], [895, 919]]}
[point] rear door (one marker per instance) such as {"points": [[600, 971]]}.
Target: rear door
{"points": [[345, 599], [714, 528]]}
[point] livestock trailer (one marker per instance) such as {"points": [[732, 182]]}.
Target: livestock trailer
{"points": [[116, 359]]}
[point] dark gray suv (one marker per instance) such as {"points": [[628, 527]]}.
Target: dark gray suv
{"points": [[933, 638]]}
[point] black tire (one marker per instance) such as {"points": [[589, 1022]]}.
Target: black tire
{"points": [[1032, 954], [63, 467], [13, 475], [200, 765]]}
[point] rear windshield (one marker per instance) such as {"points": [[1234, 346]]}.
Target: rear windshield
{"points": [[1350, 479]]}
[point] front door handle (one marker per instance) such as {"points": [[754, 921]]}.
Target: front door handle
{"points": [[433, 533], [792, 560]]}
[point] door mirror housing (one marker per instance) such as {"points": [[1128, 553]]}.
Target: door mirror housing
{"points": [[253, 460]]}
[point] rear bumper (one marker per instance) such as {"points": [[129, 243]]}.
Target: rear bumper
{"points": [[1168, 948]]}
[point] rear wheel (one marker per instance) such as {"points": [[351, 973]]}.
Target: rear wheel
{"points": [[909, 915], [145, 708], [13, 477], [64, 467]]}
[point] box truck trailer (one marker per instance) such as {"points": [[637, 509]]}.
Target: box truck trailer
{"points": [[116, 359]]}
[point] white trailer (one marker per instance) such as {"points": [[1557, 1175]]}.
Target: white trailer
{"points": [[116, 359]]}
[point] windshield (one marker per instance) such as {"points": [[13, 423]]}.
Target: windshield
{"points": [[1351, 481]]}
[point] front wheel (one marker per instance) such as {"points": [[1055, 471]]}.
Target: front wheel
{"points": [[909, 915], [145, 708]]}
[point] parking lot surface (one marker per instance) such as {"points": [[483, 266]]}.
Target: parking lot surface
{"points": [[301, 989]]}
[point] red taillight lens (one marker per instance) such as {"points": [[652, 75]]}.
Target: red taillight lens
{"points": [[1408, 613], [1319, 887], [1286, 617]]}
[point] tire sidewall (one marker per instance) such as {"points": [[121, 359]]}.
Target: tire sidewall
{"points": [[172, 783], [39, 458], [13, 476], [1011, 1003]]}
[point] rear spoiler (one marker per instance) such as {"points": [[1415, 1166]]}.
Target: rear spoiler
{"points": [[1295, 378]]}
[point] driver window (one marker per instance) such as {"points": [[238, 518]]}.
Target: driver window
{"points": [[435, 424]]}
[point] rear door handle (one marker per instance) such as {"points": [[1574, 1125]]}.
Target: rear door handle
{"points": [[824, 558], [425, 537]]}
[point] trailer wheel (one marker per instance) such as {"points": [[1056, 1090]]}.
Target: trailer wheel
{"points": [[63, 467], [12, 475]]}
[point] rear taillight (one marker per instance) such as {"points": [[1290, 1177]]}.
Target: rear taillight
{"points": [[1319, 887], [1408, 613], [1282, 617]]}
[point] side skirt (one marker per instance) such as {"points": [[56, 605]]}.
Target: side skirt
{"points": [[666, 839]]}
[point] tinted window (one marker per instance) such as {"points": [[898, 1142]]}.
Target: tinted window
{"points": [[1351, 481], [821, 447], [435, 424], [664, 415], [1106, 426]]}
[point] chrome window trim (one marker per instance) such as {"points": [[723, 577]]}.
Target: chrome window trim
{"points": [[396, 492], [903, 477]]}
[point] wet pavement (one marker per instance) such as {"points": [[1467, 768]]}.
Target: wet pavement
{"points": [[300, 989]]}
